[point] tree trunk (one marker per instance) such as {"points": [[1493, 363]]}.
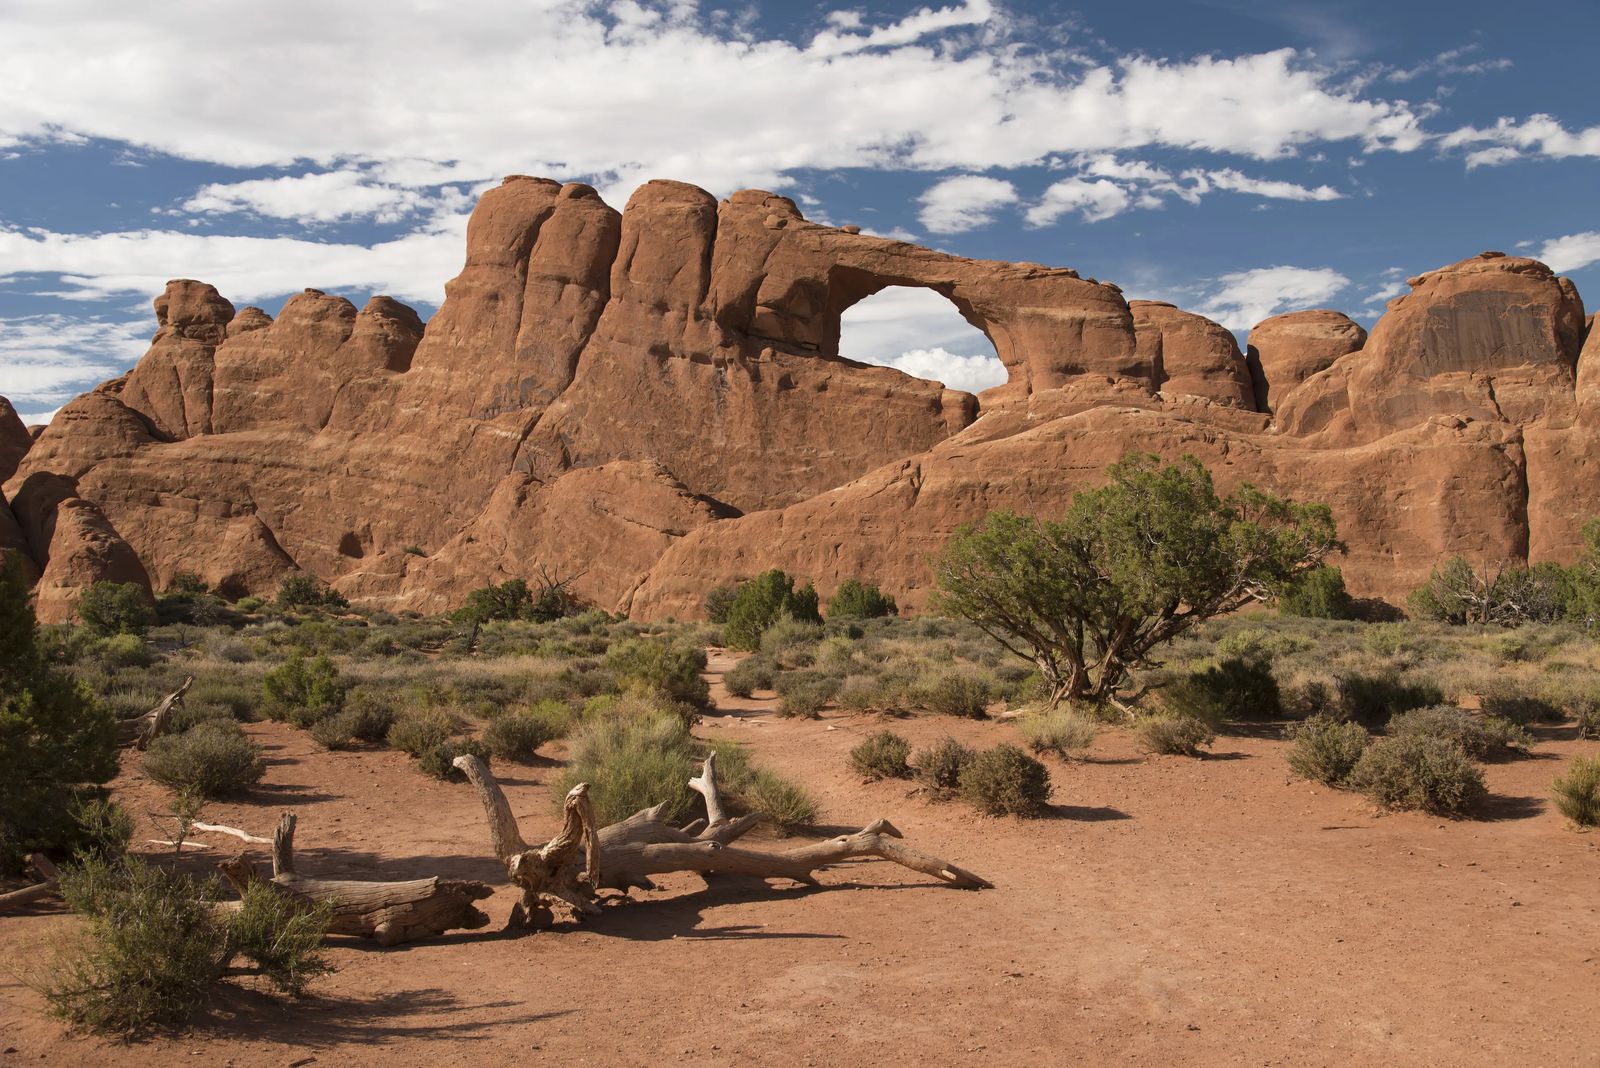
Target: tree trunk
{"points": [[626, 854], [142, 730], [391, 913], [29, 894]]}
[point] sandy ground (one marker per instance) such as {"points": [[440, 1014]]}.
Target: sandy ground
{"points": [[1170, 911]]}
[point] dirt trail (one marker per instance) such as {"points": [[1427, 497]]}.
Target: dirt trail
{"points": [[1172, 911]]}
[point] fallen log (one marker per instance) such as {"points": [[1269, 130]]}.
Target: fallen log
{"points": [[623, 855], [140, 731], [29, 894], [389, 912]]}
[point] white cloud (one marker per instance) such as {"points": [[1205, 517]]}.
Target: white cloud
{"points": [[1387, 293], [971, 373], [921, 333], [1538, 135], [964, 202], [1572, 252], [47, 359], [1451, 62], [1234, 182], [1100, 199], [319, 198], [1241, 300], [619, 93]]}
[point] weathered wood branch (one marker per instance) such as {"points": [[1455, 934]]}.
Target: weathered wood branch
{"points": [[390, 912], [632, 850], [29, 894], [140, 731]]}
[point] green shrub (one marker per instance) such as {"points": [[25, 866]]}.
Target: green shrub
{"points": [[1371, 700], [334, 732], [212, 760], [304, 591], [369, 716], [1419, 772], [302, 692], [787, 636], [631, 762], [1509, 702], [754, 673], [123, 651], [864, 693], [939, 767], [107, 608], [104, 828], [1478, 735], [191, 714], [1577, 794], [882, 756], [719, 602], [155, 943], [514, 600], [956, 693], [858, 600], [805, 693], [1174, 735], [764, 600], [663, 666], [1060, 730], [1326, 749], [1317, 594], [241, 699], [783, 803], [417, 732], [517, 736], [1006, 781], [1588, 713], [439, 761], [1234, 689], [1458, 593]]}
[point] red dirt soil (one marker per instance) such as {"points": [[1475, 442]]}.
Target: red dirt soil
{"points": [[1170, 911]]}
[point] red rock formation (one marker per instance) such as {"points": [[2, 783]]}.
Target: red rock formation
{"points": [[15, 441], [654, 401]]}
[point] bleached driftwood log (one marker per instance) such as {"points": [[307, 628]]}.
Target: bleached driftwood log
{"points": [[29, 894], [390, 912], [140, 731], [625, 854]]}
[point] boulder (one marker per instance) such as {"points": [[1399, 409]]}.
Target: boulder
{"points": [[1287, 349]]}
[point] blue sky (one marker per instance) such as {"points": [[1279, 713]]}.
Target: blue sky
{"points": [[1239, 159]]}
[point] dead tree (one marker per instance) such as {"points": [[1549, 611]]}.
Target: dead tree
{"points": [[140, 731], [29, 894], [624, 855], [391, 913]]}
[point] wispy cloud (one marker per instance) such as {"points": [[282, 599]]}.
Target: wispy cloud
{"points": [[1241, 300]]}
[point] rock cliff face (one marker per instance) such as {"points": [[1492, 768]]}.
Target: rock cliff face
{"points": [[655, 401]]}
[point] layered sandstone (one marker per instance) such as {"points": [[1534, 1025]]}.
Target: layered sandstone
{"points": [[653, 402]]}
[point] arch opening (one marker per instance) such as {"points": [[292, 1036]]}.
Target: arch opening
{"points": [[920, 332]]}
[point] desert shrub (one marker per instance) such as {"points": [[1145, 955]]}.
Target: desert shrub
{"points": [[334, 732], [805, 693], [1372, 699], [107, 608], [761, 602], [1478, 735], [1006, 781], [304, 591], [1509, 701], [191, 714], [882, 756], [864, 693], [369, 715], [859, 600], [240, 698], [719, 602], [1317, 594], [956, 693], [419, 731], [1506, 595], [439, 760], [123, 651], [1131, 565], [514, 600], [516, 736], [1233, 689], [104, 828], [939, 767], [154, 944], [301, 692], [632, 762], [783, 803], [663, 666], [1588, 715], [788, 635], [1577, 794], [1175, 735], [1326, 749], [1419, 772], [559, 717], [212, 760], [1060, 730]]}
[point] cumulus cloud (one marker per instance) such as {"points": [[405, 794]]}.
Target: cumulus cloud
{"points": [[1241, 300], [327, 197], [1572, 252], [921, 333], [1508, 139], [1099, 199], [964, 202]]}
